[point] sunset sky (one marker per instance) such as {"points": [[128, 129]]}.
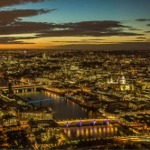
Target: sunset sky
{"points": [[75, 24]]}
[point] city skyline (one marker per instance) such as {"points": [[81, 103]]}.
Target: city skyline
{"points": [[86, 24]]}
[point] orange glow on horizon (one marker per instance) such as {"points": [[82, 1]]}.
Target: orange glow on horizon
{"points": [[25, 46], [54, 42]]}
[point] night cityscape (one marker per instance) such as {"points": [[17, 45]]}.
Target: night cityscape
{"points": [[74, 74]]}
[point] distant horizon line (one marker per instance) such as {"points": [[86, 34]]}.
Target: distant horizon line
{"points": [[72, 49]]}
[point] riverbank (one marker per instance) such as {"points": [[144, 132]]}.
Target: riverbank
{"points": [[66, 96], [62, 110]]}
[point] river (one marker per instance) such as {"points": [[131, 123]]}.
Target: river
{"points": [[63, 109]]}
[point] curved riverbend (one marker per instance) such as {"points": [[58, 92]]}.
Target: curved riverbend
{"points": [[63, 109]]}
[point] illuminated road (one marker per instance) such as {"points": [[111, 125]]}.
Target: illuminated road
{"points": [[145, 138]]}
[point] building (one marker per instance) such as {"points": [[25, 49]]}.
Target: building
{"points": [[36, 115], [120, 84]]}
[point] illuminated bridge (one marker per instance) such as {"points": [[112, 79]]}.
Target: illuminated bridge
{"points": [[89, 128], [84, 122], [23, 88]]}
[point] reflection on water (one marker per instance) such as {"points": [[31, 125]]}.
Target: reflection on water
{"points": [[63, 109], [90, 132]]}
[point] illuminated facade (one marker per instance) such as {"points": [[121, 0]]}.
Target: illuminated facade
{"points": [[36, 115], [120, 84]]}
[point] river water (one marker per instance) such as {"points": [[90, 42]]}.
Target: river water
{"points": [[66, 109], [63, 109]]}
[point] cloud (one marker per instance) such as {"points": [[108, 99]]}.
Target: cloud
{"points": [[89, 28], [147, 31], [4, 3], [142, 19], [142, 38], [9, 17], [24, 28], [133, 29], [88, 41], [14, 40], [113, 46], [96, 39], [42, 29], [13, 24]]}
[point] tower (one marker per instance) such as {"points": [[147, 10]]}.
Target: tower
{"points": [[122, 80]]}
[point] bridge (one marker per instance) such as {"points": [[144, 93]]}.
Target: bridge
{"points": [[89, 128], [85, 122], [32, 88], [96, 128], [23, 88]]}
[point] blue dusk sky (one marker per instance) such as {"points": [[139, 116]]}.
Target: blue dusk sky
{"points": [[82, 24]]}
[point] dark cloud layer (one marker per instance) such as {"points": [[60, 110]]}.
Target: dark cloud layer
{"points": [[4, 3], [85, 28], [147, 31], [142, 38], [24, 28], [88, 41], [11, 22], [114, 46], [142, 19], [9, 17], [89, 28], [14, 40]]}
